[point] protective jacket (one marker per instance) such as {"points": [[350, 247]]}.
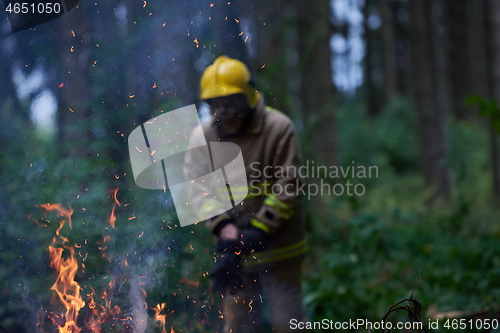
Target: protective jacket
{"points": [[273, 192]]}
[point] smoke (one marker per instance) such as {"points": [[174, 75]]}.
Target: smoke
{"points": [[139, 307]]}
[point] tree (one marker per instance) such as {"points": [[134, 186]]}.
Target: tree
{"points": [[492, 16], [430, 92], [371, 53], [459, 59], [75, 110], [316, 86], [388, 49], [273, 24]]}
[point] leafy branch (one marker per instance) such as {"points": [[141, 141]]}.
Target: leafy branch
{"points": [[487, 107]]}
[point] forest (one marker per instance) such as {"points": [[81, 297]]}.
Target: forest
{"points": [[406, 91]]}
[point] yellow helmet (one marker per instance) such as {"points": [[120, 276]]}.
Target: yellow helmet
{"points": [[226, 77]]}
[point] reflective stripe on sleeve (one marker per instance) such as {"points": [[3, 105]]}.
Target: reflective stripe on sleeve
{"points": [[207, 207], [256, 223], [282, 208], [240, 193], [283, 253]]}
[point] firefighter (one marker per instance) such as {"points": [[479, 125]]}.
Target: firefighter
{"points": [[261, 242]]}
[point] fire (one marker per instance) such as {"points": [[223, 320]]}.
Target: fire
{"points": [[159, 317], [66, 289], [112, 216], [63, 213], [96, 316], [102, 314]]}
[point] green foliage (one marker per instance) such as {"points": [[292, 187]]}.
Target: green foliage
{"points": [[389, 141], [368, 256], [487, 107]]}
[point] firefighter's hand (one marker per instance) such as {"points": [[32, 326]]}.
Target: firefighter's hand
{"points": [[229, 231], [226, 229], [253, 239], [227, 273]]}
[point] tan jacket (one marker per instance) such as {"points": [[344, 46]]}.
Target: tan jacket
{"points": [[272, 158]]}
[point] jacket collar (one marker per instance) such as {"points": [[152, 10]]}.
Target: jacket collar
{"points": [[257, 121]]}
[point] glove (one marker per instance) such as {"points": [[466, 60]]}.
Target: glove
{"points": [[253, 239], [227, 273], [220, 225]]}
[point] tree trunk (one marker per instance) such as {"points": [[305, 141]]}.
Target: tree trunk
{"points": [[460, 61], [495, 162], [371, 94], [271, 41], [477, 48], [316, 86], [428, 88], [316, 90], [492, 18], [388, 49], [74, 111]]}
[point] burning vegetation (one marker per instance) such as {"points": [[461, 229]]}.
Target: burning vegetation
{"points": [[115, 302]]}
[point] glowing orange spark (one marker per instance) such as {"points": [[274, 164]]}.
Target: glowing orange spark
{"points": [[115, 191]]}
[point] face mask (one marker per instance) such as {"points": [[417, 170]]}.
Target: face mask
{"points": [[229, 108]]}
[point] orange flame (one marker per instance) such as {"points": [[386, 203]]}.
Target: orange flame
{"points": [[159, 317], [112, 216], [66, 289], [102, 314], [63, 213]]}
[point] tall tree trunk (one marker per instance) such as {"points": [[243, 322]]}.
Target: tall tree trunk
{"points": [[492, 18], [431, 106], [371, 94], [316, 86], [74, 111], [271, 41], [477, 48], [495, 162], [460, 62], [388, 49]]}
